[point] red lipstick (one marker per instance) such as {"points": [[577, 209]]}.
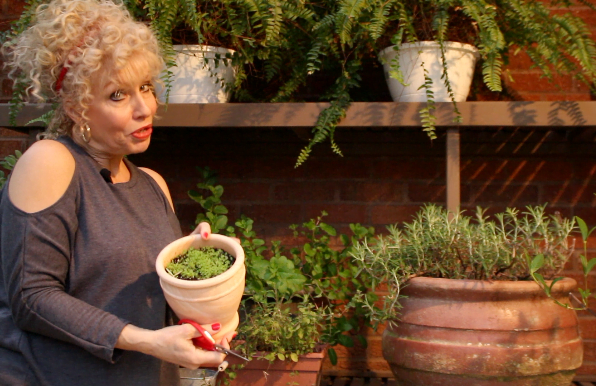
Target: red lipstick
{"points": [[143, 133]]}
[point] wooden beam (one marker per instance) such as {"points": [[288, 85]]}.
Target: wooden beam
{"points": [[360, 114], [453, 170]]}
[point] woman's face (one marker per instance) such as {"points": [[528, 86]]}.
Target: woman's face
{"points": [[120, 115]]}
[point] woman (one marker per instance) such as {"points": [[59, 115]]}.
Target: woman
{"points": [[80, 302]]}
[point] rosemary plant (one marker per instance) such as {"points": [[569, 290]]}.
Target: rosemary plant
{"points": [[437, 243]]}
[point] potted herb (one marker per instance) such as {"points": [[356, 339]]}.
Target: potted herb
{"points": [[211, 300], [200, 264], [460, 304], [281, 328], [295, 298]]}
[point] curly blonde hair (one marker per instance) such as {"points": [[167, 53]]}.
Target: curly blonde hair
{"points": [[89, 38]]}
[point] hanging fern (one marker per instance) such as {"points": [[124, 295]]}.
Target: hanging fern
{"points": [[427, 116]]}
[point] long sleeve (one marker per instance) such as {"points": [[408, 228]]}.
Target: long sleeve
{"points": [[36, 260]]}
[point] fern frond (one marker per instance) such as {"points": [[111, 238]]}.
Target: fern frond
{"points": [[347, 16]]}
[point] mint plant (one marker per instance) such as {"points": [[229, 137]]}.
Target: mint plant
{"points": [[316, 273]]}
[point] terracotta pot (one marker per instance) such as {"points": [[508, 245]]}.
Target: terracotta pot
{"points": [[468, 332], [260, 372], [214, 300]]}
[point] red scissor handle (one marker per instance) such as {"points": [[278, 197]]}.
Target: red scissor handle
{"points": [[205, 341]]}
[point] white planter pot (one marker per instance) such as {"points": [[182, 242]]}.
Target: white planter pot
{"points": [[195, 75], [214, 300], [461, 60]]}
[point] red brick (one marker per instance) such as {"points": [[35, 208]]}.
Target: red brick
{"points": [[305, 190], [508, 194], [372, 191], [246, 191], [568, 96], [334, 168], [400, 169], [12, 8], [587, 368], [515, 170], [587, 326], [531, 81], [391, 214], [273, 213], [422, 193], [352, 213], [521, 61], [570, 194]]}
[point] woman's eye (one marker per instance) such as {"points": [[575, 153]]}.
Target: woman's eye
{"points": [[146, 87], [117, 96]]}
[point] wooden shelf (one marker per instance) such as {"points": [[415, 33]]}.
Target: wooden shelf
{"points": [[361, 114]]}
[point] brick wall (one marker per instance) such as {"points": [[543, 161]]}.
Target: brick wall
{"points": [[384, 177]]}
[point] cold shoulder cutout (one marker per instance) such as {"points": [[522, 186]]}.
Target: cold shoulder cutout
{"points": [[161, 183], [41, 176]]}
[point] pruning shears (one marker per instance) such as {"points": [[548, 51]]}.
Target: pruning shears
{"points": [[206, 341]]}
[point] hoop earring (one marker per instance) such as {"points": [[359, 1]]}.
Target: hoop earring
{"points": [[85, 132]]}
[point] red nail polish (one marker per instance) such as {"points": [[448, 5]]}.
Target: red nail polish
{"points": [[205, 235], [215, 326], [233, 336]]}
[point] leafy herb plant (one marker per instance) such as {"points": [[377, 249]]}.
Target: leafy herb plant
{"points": [[585, 293], [314, 277], [8, 163], [437, 243], [199, 264]]}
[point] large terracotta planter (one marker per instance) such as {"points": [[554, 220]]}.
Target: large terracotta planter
{"points": [[214, 300], [468, 332], [260, 372]]}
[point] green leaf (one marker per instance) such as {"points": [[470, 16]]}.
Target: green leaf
{"points": [[328, 229], [537, 263], [554, 281], [344, 325], [310, 251], [589, 266], [220, 209], [332, 355], [362, 340], [218, 191], [583, 227], [221, 222], [345, 340], [294, 357], [281, 356]]}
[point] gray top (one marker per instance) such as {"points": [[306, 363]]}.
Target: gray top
{"points": [[74, 274]]}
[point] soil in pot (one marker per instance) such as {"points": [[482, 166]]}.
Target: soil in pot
{"points": [[200, 263]]}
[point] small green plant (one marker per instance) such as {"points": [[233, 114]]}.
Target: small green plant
{"points": [[200, 263], [282, 330], [332, 278], [315, 273], [8, 163], [538, 263], [437, 243]]}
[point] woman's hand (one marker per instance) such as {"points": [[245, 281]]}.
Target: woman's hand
{"points": [[203, 229], [172, 344]]}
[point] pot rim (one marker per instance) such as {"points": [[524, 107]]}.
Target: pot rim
{"points": [[214, 240], [200, 48], [510, 286], [431, 44]]}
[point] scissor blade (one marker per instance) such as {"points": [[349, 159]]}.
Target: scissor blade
{"points": [[228, 352]]}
